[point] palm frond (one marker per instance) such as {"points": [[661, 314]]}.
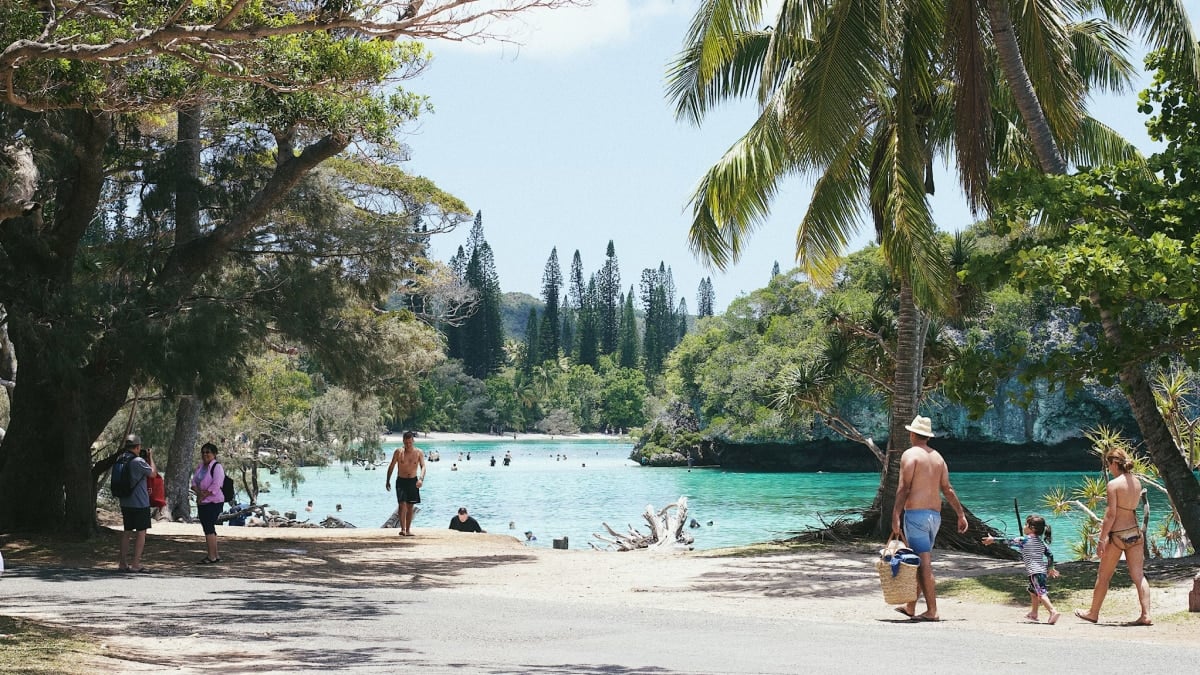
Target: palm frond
{"points": [[695, 87], [826, 99], [735, 196], [1164, 23], [834, 213], [969, 104], [1097, 143], [1100, 56], [1046, 48]]}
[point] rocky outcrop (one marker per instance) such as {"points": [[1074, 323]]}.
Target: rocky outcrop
{"points": [[843, 456]]}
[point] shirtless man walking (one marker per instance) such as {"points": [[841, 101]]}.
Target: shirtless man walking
{"points": [[923, 474], [406, 461]]}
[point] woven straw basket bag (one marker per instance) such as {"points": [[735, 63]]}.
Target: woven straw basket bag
{"points": [[899, 588]]}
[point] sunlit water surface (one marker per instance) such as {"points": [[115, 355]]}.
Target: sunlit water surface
{"points": [[569, 488]]}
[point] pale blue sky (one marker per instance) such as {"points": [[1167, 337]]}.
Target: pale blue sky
{"points": [[568, 141]]}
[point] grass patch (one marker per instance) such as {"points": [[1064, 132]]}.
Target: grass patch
{"points": [[1071, 590], [29, 647]]}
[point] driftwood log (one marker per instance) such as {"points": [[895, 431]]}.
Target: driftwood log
{"points": [[258, 515], [394, 520], [333, 521], [667, 530]]}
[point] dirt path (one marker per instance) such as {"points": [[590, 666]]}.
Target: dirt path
{"points": [[339, 575]]}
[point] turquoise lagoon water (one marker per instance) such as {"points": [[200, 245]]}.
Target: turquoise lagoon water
{"points": [[568, 488]]}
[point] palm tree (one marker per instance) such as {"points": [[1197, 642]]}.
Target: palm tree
{"points": [[856, 92], [1166, 26], [1046, 48]]}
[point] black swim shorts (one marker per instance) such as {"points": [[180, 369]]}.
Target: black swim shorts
{"points": [[407, 492]]}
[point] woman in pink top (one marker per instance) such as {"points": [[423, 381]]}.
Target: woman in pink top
{"points": [[206, 483]]}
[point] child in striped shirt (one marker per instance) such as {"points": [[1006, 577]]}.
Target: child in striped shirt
{"points": [[1039, 563]]}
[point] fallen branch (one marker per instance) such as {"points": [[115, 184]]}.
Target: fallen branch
{"points": [[667, 530]]}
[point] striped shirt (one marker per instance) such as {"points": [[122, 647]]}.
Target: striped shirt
{"points": [[1037, 557]]}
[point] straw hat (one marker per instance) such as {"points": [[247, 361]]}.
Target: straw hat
{"points": [[921, 426]]}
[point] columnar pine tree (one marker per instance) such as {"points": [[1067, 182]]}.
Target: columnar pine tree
{"points": [[483, 332], [551, 291], [454, 332], [475, 239], [628, 352], [566, 338], [577, 287], [572, 306], [681, 316], [589, 327], [654, 307], [662, 320], [705, 299], [532, 343], [609, 287]]}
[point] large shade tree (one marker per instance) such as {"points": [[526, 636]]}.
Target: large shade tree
{"points": [[861, 95], [91, 305], [1124, 246], [1029, 40]]}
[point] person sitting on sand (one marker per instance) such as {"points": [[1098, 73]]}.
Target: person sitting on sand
{"points": [[1039, 563], [1120, 534], [463, 522]]}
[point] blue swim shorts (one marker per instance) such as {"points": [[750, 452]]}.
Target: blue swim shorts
{"points": [[1037, 585], [921, 528]]}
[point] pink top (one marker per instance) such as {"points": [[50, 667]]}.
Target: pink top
{"points": [[210, 478]]}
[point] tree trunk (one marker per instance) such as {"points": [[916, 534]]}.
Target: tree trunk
{"points": [[72, 384], [47, 483], [1012, 64], [182, 457], [1181, 484], [46, 477], [904, 404]]}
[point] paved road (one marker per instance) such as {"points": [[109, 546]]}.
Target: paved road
{"points": [[231, 625]]}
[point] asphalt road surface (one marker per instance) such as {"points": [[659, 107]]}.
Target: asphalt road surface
{"points": [[218, 624]]}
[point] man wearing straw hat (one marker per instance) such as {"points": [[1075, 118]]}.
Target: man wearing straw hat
{"points": [[924, 478]]}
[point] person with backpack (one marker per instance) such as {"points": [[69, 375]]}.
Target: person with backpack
{"points": [[208, 483], [128, 485]]}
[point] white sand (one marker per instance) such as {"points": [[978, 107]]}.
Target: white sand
{"points": [[836, 584]]}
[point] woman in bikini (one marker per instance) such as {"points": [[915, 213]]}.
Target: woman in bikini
{"points": [[1119, 534]]}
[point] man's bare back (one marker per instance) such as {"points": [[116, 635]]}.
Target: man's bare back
{"points": [[927, 475]]}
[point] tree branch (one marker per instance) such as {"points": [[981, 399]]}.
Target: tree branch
{"points": [[235, 39]]}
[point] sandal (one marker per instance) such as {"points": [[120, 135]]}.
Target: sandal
{"points": [[209, 561]]}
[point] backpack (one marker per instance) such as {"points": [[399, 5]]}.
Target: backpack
{"points": [[227, 488], [121, 481]]}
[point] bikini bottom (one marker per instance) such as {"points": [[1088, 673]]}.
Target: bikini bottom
{"points": [[1126, 538]]}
